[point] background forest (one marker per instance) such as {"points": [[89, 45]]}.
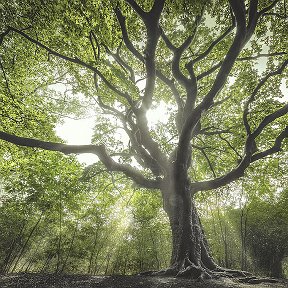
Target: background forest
{"points": [[55, 220]]}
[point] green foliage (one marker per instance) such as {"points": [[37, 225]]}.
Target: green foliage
{"points": [[268, 233], [67, 220]]}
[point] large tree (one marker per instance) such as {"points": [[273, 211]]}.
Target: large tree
{"points": [[201, 61]]}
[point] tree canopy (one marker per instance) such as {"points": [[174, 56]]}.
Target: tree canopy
{"points": [[216, 68]]}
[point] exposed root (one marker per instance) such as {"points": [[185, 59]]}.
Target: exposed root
{"points": [[231, 273], [147, 273], [256, 280], [198, 273], [187, 269]]}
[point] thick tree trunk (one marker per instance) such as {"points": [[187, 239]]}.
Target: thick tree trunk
{"points": [[190, 251], [191, 255]]}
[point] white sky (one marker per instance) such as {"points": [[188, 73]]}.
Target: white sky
{"points": [[78, 132]]}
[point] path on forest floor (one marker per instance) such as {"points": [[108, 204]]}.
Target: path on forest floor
{"points": [[30, 280]]}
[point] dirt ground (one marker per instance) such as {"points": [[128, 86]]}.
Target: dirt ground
{"points": [[29, 280]]}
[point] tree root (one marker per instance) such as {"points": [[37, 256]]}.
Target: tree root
{"points": [[231, 273], [192, 271], [256, 280]]}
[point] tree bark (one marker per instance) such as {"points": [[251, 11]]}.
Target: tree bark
{"points": [[190, 251]]}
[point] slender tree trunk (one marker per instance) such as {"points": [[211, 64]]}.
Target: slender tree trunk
{"points": [[21, 253], [276, 270], [243, 229], [70, 248], [223, 231], [9, 259], [155, 250], [108, 258], [46, 263], [59, 256], [95, 242]]}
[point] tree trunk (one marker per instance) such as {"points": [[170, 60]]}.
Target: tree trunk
{"points": [[190, 251], [276, 269]]}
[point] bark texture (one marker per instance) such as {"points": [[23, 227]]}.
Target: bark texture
{"points": [[190, 251]]}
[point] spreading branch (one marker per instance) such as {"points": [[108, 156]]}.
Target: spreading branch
{"points": [[238, 43], [256, 90], [99, 150], [189, 84], [215, 42], [254, 57], [274, 149], [129, 45], [122, 22], [137, 8], [75, 61], [153, 34], [250, 155]]}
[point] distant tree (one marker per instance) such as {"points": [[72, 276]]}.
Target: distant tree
{"points": [[197, 59], [268, 234]]}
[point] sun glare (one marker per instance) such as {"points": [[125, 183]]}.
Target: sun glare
{"points": [[157, 114]]}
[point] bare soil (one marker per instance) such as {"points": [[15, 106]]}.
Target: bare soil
{"points": [[30, 280]]}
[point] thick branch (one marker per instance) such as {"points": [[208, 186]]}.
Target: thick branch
{"points": [[189, 84], [137, 8], [153, 34], [140, 57], [141, 154], [127, 41], [253, 17], [76, 61], [266, 9], [256, 90], [157, 9], [238, 8], [239, 41], [98, 150], [218, 65], [238, 172], [152, 15], [214, 43], [274, 149], [269, 119]]}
